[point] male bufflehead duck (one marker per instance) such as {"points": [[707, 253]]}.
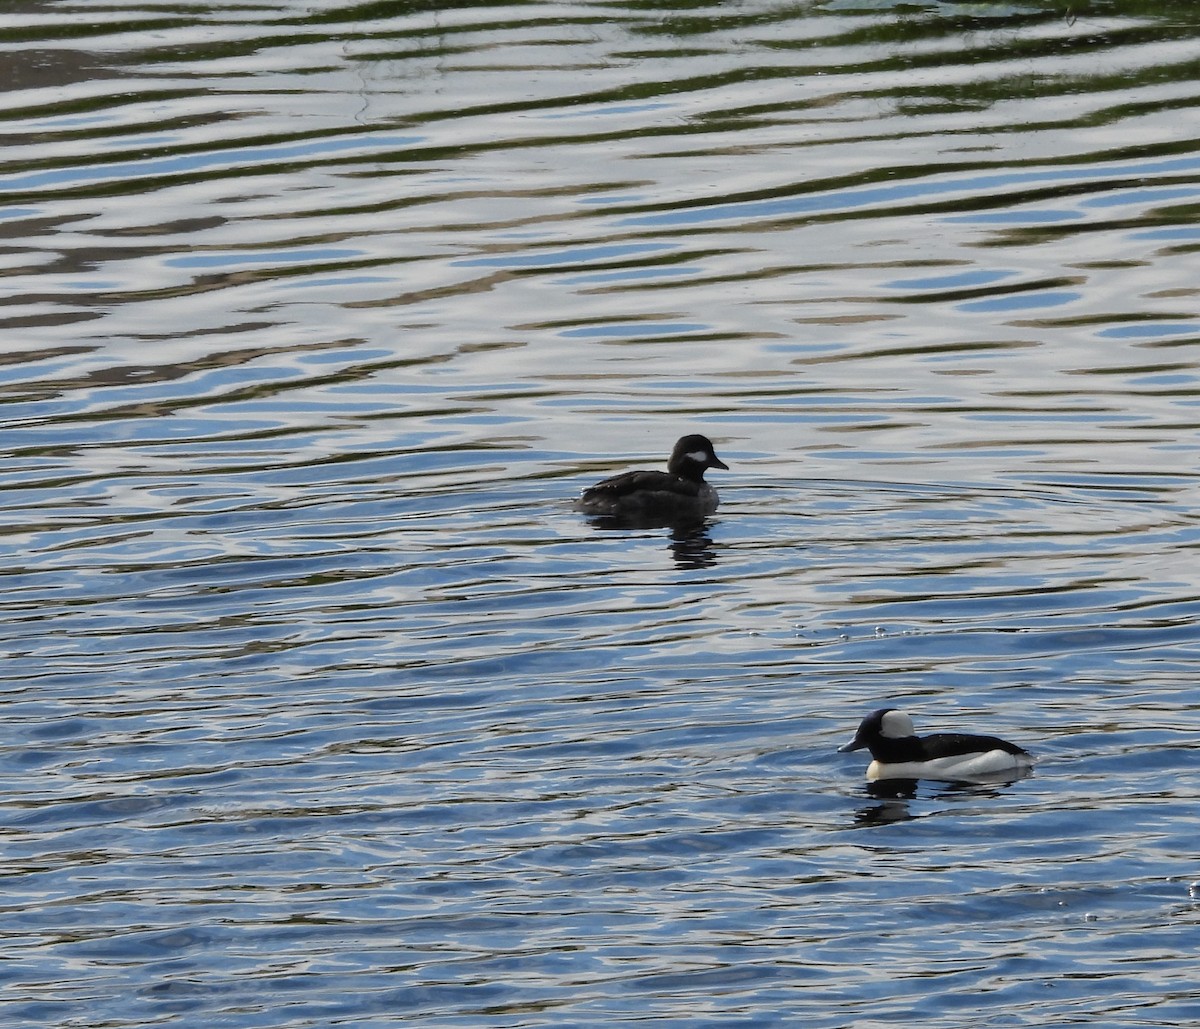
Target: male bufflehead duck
{"points": [[679, 494], [899, 753]]}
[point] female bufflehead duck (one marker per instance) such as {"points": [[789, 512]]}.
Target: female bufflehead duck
{"points": [[899, 753], [679, 494]]}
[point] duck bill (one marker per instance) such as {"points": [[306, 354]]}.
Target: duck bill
{"points": [[716, 462], [854, 744]]}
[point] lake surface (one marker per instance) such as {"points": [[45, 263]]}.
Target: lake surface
{"points": [[321, 706]]}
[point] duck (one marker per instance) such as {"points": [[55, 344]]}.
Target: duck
{"points": [[897, 752], [678, 495]]}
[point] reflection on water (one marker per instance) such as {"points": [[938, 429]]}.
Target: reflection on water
{"points": [[690, 545], [893, 804], [321, 704], [895, 797], [692, 548]]}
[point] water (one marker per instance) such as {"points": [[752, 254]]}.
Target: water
{"points": [[321, 705]]}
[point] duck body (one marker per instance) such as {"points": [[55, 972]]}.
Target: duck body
{"points": [[677, 495], [898, 753]]}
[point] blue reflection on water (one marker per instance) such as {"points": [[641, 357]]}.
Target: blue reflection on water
{"points": [[973, 277], [268, 257], [965, 184], [1150, 330], [211, 160], [1021, 301]]}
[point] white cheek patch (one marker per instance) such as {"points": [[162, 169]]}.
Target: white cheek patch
{"points": [[699, 456], [896, 725]]}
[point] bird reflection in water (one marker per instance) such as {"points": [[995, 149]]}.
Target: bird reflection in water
{"points": [[894, 795], [690, 544]]}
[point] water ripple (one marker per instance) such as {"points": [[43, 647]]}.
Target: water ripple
{"points": [[321, 702]]}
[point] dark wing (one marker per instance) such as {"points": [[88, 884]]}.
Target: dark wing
{"points": [[953, 744], [634, 482]]}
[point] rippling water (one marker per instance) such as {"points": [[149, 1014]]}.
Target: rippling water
{"points": [[321, 704]]}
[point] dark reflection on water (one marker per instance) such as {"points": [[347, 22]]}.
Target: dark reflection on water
{"points": [[692, 547], [320, 703], [893, 806], [895, 796], [690, 544]]}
